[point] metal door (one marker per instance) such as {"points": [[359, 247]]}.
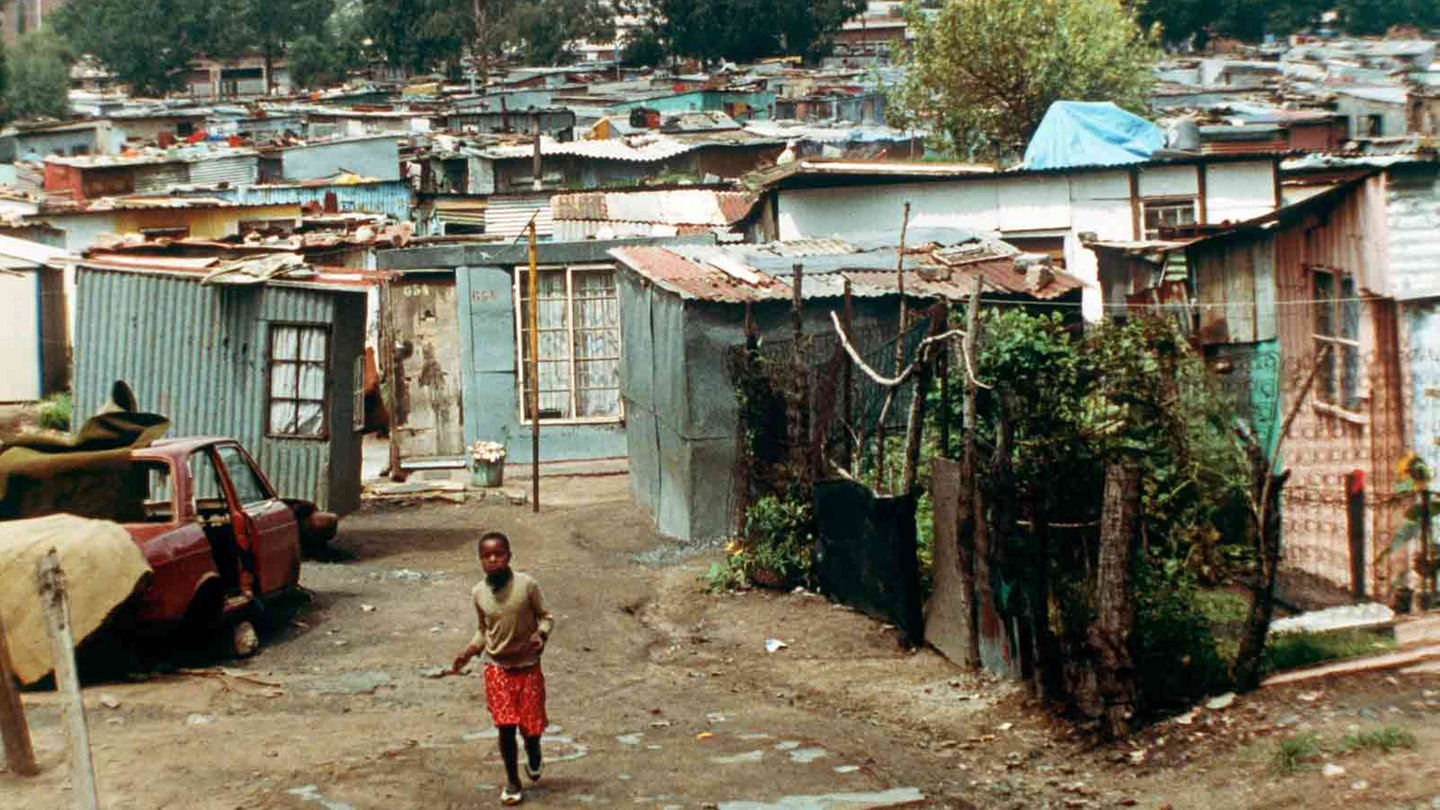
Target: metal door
{"points": [[423, 329]]}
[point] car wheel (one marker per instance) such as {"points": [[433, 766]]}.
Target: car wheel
{"points": [[244, 641]]}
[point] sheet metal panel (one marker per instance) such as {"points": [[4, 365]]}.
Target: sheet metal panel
{"points": [[236, 171], [197, 354], [507, 215]]}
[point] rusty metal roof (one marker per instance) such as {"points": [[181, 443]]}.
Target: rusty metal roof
{"points": [[738, 275], [679, 207], [696, 280], [1001, 275]]}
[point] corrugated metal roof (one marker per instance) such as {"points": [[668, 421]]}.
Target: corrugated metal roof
{"points": [[680, 207], [653, 149], [739, 274], [691, 279]]}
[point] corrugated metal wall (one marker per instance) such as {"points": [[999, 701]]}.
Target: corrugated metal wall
{"points": [[390, 198], [507, 215], [197, 354], [159, 178], [237, 171], [1413, 195]]}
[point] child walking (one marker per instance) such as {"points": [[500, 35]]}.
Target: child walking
{"points": [[514, 628]]}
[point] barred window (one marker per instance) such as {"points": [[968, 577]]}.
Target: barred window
{"points": [[1161, 216], [578, 310], [1336, 311], [299, 358]]}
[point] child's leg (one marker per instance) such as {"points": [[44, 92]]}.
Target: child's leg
{"points": [[532, 752], [510, 752]]}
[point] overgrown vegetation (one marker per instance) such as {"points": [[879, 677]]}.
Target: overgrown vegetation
{"points": [[55, 412]]}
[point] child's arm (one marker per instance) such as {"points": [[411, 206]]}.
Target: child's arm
{"points": [[544, 622], [477, 643]]}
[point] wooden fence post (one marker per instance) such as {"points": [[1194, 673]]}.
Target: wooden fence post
{"points": [[19, 754], [67, 681]]}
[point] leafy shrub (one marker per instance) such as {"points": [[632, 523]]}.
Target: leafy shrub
{"points": [[1179, 660], [776, 551], [56, 411]]}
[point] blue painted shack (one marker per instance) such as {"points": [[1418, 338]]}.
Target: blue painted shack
{"points": [[455, 317], [275, 363], [393, 198], [376, 157]]}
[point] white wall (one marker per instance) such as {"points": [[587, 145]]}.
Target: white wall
{"points": [[1238, 191], [19, 334], [1096, 202]]}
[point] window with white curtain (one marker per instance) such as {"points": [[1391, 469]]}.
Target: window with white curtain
{"points": [[579, 343], [299, 357]]}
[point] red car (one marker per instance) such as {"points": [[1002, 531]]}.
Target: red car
{"points": [[216, 534], [218, 538]]}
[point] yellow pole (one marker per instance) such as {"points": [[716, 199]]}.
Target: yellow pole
{"points": [[534, 373]]}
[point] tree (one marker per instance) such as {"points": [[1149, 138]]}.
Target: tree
{"points": [[745, 30], [545, 29], [1374, 17], [986, 71], [37, 80], [271, 25], [147, 43]]}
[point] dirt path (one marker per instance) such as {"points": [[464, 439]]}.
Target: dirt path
{"points": [[662, 695]]}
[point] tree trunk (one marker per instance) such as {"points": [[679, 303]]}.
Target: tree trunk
{"points": [[1262, 591], [1046, 653], [972, 505], [1112, 633]]}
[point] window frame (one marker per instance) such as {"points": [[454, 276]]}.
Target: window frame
{"points": [[270, 399], [1354, 393], [1167, 202], [249, 467], [522, 368]]}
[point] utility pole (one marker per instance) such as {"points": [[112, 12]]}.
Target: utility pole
{"points": [[534, 369]]}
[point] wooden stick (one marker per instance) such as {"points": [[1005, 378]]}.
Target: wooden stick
{"points": [[67, 681], [883, 381], [19, 754]]}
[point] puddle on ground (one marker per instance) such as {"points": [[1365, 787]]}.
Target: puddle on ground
{"points": [[895, 797], [311, 793], [805, 756], [846, 768], [748, 756], [629, 739], [787, 745]]}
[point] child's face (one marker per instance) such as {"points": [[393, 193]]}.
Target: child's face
{"points": [[494, 557]]}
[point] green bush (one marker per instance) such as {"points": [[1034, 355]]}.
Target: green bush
{"points": [[776, 551], [1179, 657], [56, 411]]}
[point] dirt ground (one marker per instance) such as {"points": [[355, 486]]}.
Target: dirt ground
{"points": [[662, 695]]}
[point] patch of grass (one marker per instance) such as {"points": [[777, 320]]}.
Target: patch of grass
{"points": [[1293, 650], [1384, 739], [55, 412], [1222, 607], [1296, 752]]}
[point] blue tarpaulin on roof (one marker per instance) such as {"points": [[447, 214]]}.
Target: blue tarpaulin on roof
{"points": [[1091, 133]]}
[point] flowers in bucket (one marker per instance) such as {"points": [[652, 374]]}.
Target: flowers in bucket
{"points": [[485, 452]]}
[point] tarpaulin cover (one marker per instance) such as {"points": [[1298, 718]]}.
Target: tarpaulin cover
{"points": [[1091, 133], [867, 556], [102, 567], [89, 473]]}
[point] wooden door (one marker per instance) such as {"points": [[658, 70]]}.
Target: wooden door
{"points": [[423, 332]]}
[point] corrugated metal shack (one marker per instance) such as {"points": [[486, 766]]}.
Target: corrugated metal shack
{"points": [[455, 315], [1265, 298], [684, 310], [268, 352]]}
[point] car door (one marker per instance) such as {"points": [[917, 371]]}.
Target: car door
{"points": [[270, 527]]}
